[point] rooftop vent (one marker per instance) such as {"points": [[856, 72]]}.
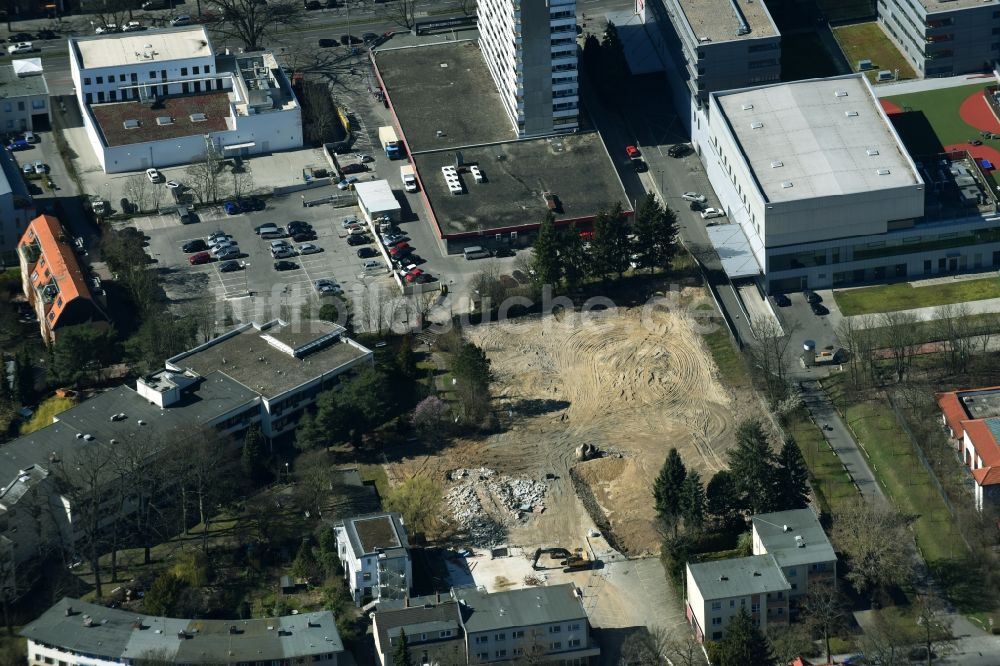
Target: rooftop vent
{"points": [[747, 107], [777, 163], [872, 152], [89, 438], [756, 125], [141, 422], [311, 623], [840, 93], [164, 120], [882, 172], [723, 579], [784, 528], [786, 184], [131, 124], [756, 573], [198, 117], [79, 435], [851, 114]]}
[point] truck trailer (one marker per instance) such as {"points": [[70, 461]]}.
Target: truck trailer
{"points": [[390, 142], [409, 177]]}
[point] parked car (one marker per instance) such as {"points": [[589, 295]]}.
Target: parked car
{"points": [[153, 175], [200, 258], [174, 185], [632, 152], [133, 26], [282, 253], [502, 252], [231, 252], [107, 29], [369, 37], [20, 47], [709, 213], [694, 196], [231, 208], [347, 183], [698, 206], [285, 265], [304, 236], [183, 19], [218, 233], [353, 168], [276, 233], [298, 227], [812, 296], [362, 239], [309, 248], [363, 158], [264, 228], [223, 247], [41, 167], [27, 168], [30, 137], [367, 253], [782, 301], [327, 43], [356, 230], [196, 245], [347, 222], [230, 266], [819, 309], [21, 37], [371, 264], [679, 150], [327, 286], [47, 34], [18, 144], [394, 239], [349, 39]]}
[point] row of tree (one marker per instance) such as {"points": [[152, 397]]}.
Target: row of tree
{"points": [[649, 242]]}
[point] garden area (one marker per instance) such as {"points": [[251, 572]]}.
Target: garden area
{"points": [[906, 296], [867, 41]]}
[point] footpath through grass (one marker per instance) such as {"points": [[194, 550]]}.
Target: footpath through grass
{"points": [[898, 470], [830, 481], [866, 41], [904, 296]]}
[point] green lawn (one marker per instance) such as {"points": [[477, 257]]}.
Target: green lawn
{"points": [[732, 366], [903, 296], [46, 410], [929, 331], [829, 480], [867, 41], [900, 473], [935, 121]]}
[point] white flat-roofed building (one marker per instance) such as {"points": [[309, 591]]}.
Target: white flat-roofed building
{"points": [[163, 97], [530, 49]]}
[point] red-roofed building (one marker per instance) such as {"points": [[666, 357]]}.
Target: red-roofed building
{"points": [[53, 280], [973, 421]]}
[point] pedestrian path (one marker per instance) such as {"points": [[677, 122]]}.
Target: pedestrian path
{"points": [[985, 306], [923, 85]]}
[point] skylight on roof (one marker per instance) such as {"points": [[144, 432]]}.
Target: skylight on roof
{"points": [[756, 125], [198, 117], [882, 172], [131, 124], [851, 114], [840, 93], [872, 152], [786, 184], [164, 120], [747, 107], [777, 163]]}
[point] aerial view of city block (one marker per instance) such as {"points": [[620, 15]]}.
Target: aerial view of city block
{"points": [[447, 332]]}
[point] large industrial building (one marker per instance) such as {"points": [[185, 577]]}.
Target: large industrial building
{"points": [[944, 37], [820, 192], [530, 49], [160, 98]]}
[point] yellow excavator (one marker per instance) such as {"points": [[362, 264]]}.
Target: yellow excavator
{"points": [[578, 560]]}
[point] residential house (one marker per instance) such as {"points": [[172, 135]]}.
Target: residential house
{"points": [[76, 632], [433, 630], [24, 97], [375, 553], [719, 590], [801, 548], [972, 418]]}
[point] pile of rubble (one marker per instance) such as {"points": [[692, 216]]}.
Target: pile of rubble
{"points": [[515, 497]]}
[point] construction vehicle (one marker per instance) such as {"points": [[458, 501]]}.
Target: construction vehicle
{"points": [[578, 560]]}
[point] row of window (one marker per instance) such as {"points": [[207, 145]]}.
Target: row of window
{"points": [[8, 107], [134, 76]]}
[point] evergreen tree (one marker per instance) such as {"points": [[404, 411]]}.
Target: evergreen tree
{"points": [[692, 502], [253, 460], [644, 229], [24, 378], [305, 565], [791, 478], [722, 498], [573, 258], [592, 55], [546, 253], [668, 487], [752, 463], [406, 360], [401, 653], [665, 245], [308, 434], [610, 247], [614, 71], [744, 644]]}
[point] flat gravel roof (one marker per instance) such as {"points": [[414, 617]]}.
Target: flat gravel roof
{"points": [[717, 21], [148, 46]]}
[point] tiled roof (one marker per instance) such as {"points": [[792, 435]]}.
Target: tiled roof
{"points": [[954, 412]]}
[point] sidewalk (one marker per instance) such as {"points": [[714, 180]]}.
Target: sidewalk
{"points": [[922, 85]]}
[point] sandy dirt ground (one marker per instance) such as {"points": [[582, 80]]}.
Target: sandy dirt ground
{"points": [[632, 383]]}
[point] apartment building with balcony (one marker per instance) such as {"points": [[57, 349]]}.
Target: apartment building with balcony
{"points": [[717, 591], [944, 37], [375, 553], [800, 547], [531, 52]]}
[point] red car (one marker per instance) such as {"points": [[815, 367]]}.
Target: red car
{"points": [[200, 258], [413, 275], [400, 250], [632, 152]]}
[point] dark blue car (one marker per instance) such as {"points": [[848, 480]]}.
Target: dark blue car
{"points": [[232, 208], [20, 144]]}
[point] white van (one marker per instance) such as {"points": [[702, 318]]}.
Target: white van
{"points": [[475, 252]]}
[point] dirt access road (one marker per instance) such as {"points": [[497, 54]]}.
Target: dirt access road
{"points": [[633, 383]]}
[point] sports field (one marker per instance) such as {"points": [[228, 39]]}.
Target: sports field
{"points": [[937, 121]]}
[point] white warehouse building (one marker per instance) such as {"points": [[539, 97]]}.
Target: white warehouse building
{"points": [[530, 50], [163, 97]]}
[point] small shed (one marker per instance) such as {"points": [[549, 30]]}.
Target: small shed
{"points": [[375, 198], [288, 585]]}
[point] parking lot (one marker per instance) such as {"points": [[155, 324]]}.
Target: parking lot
{"points": [[258, 290]]}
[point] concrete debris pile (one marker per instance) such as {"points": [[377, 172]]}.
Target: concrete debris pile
{"points": [[507, 499]]}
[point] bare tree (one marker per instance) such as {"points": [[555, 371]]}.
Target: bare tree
{"points": [[252, 21], [874, 537], [113, 12], [825, 612], [205, 176], [900, 338], [768, 356], [987, 326], [885, 643], [933, 627], [242, 183], [789, 641], [684, 651], [952, 327], [858, 339], [137, 189], [403, 12]]}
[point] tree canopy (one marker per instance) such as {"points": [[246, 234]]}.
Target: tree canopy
{"points": [[744, 644]]}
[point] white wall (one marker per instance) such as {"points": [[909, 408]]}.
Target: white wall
{"points": [[37, 653]]}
